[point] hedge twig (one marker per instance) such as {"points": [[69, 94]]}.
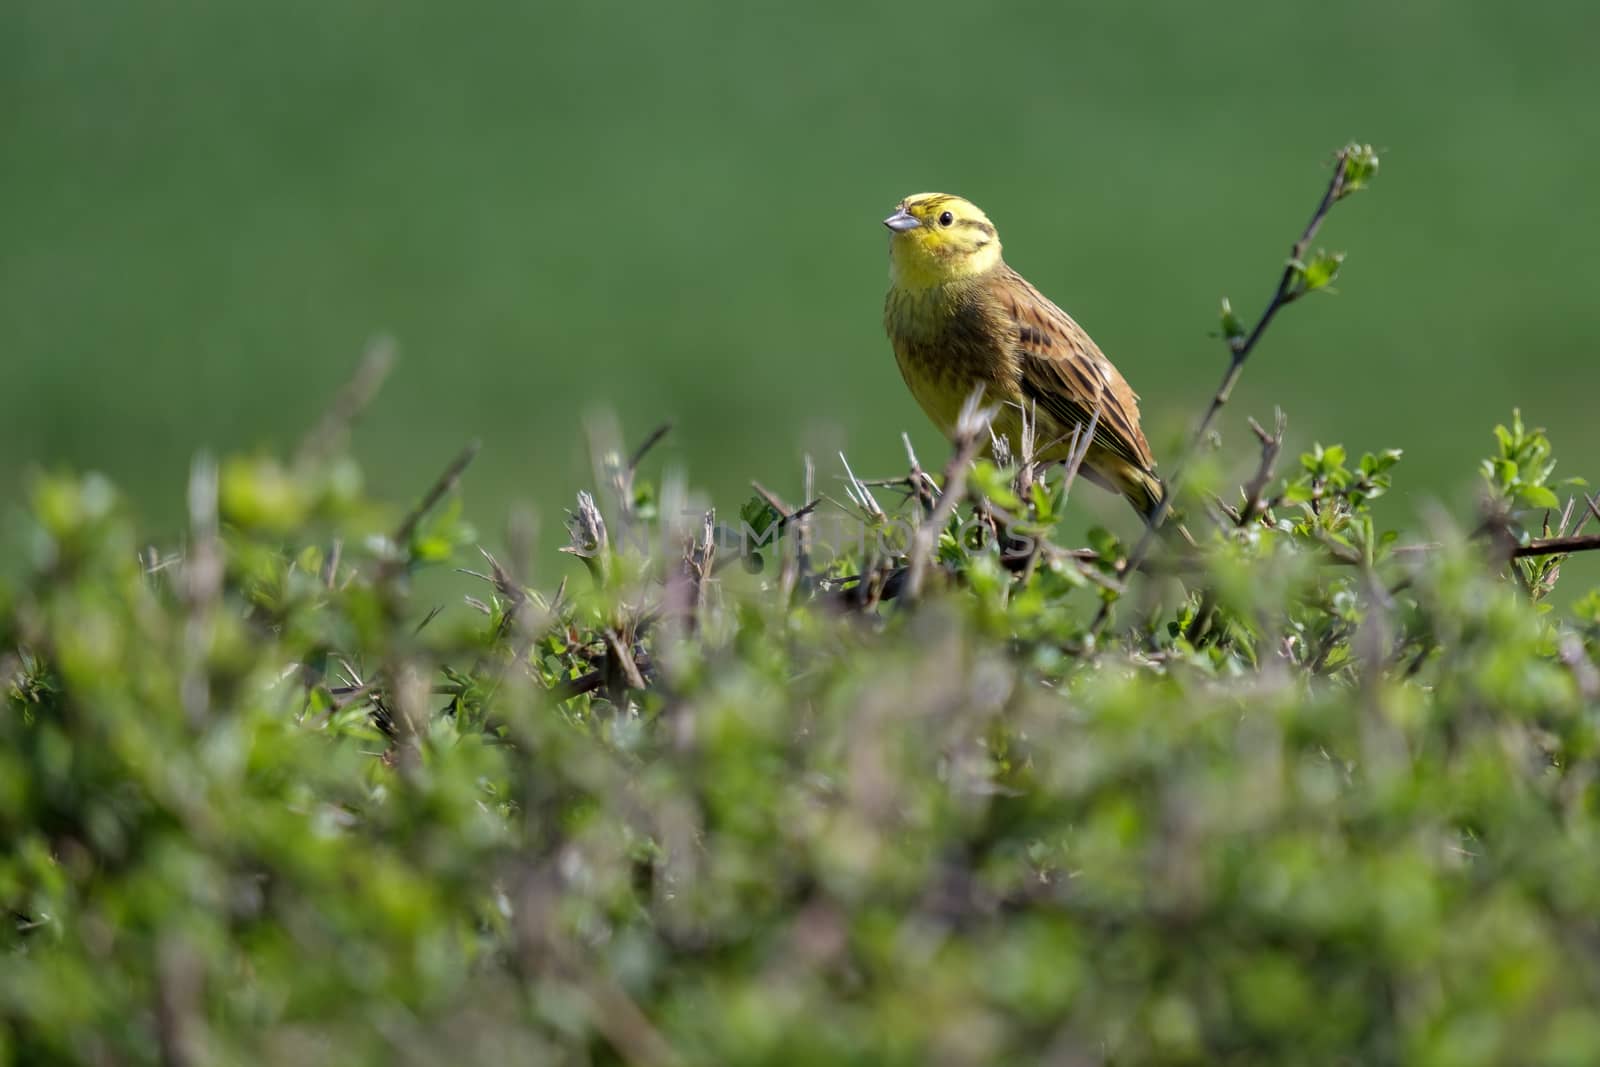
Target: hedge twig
{"points": [[348, 403], [971, 427], [441, 486], [1240, 344], [1271, 445]]}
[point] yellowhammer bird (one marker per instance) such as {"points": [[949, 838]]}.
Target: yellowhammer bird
{"points": [[958, 317]]}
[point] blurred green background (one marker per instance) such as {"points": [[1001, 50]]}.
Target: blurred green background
{"points": [[672, 211]]}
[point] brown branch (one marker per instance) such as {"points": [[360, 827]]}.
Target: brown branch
{"points": [[588, 683], [800, 577], [970, 429], [774, 501], [622, 479], [645, 446], [1593, 509], [796, 562], [624, 668], [348, 403], [441, 486], [700, 561], [1553, 546], [1339, 555], [1240, 347], [1271, 445], [922, 487], [202, 578], [1079, 448], [786, 515]]}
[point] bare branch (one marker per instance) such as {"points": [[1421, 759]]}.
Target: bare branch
{"points": [[1240, 346], [437, 492], [1271, 445], [646, 445], [1552, 546], [1081, 439], [348, 403], [971, 428], [859, 494], [621, 661]]}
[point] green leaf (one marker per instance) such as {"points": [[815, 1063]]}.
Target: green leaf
{"points": [[1537, 496], [1233, 330], [1374, 464], [1361, 166], [1105, 544], [1321, 270], [261, 494], [994, 484], [759, 515], [1297, 492]]}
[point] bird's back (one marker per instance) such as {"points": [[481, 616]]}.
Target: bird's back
{"points": [[998, 330], [1060, 369]]}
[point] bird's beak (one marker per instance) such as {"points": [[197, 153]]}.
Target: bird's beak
{"points": [[901, 221]]}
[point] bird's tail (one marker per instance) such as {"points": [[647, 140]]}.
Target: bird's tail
{"points": [[1146, 492]]}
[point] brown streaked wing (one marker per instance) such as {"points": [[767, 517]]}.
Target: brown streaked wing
{"points": [[1064, 371]]}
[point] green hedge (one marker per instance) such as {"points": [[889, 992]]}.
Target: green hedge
{"points": [[735, 795]]}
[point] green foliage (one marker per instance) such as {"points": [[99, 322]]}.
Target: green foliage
{"points": [[1316, 272], [1233, 330], [1517, 474], [1361, 167], [1323, 799]]}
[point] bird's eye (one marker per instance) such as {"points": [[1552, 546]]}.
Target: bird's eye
{"points": [[945, 218]]}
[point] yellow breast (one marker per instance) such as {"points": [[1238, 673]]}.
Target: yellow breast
{"points": [[946, 344]]}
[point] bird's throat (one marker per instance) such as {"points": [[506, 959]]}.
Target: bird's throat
{"points": [[915, 266], [925, 313]]}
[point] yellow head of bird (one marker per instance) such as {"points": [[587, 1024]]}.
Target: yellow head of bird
{"points": [[936, 238]]}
